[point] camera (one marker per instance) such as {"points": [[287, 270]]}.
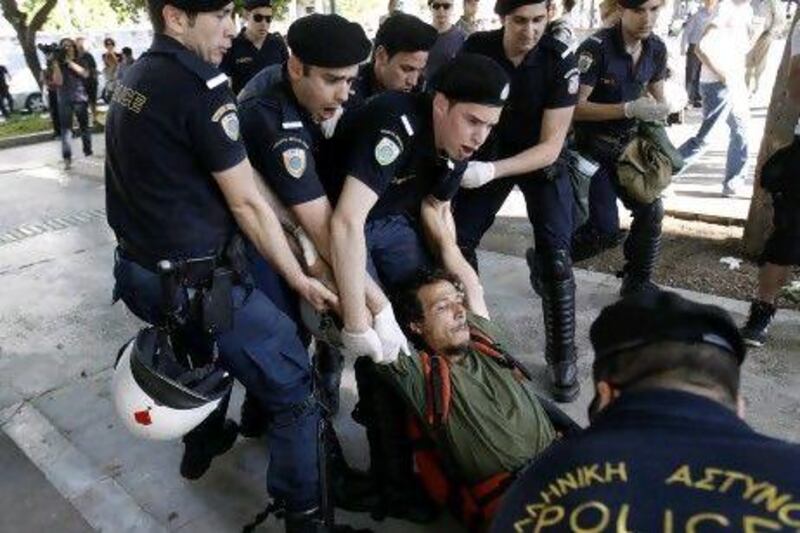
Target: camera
{"points": [[53, 52]]}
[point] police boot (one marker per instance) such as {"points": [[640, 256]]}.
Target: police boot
{"points": [[352, 490], [253, 421], [312, 521], [329, 365], [755, 330], [588, 242], [642, 249], [201, 447], [383, 414], [552, 279]]}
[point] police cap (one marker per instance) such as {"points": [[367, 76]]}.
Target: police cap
{"points": [[328, 41], [472, 78], [504, 7], [198, 6], [647, 318], [631, 4], [405, 33], [253, 4]]}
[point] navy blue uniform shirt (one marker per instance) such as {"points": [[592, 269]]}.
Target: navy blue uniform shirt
{"points": [[547, 78], [281, 138], [659, 461], [244, 60], [388, 145], [606, 66], [366, 86], [171, 123]]}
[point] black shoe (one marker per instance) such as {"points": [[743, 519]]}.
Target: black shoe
{"points": [[564, 381], [252, 421], [414, 506], [353, 490], [588, 243], [755, 330], [197, 456]]}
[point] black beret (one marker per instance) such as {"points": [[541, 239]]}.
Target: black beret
{"points": [[328, 41], [253, 4], [472, 78], [658, 316], [504, 7], [199, 6], [405, 33]]}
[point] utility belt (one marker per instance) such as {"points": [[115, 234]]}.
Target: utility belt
{"points": [[209, 280]]}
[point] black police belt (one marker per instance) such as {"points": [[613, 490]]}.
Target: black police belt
{"points": [[192, 272]]}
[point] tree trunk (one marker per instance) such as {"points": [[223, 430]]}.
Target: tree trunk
{"points": [[778, 132], [26, 31]]}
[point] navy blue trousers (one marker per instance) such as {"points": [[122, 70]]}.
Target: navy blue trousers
{"points": [[265, 353]]}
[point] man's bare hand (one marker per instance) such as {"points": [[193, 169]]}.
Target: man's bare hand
{"points": [[318, 295]]}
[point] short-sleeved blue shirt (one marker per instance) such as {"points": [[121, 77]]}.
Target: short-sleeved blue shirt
{"points": [[171, 123], [605, 65], [547, 78], [282, 140], [388, 145], [244, 60]]}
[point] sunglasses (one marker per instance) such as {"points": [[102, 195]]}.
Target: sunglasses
{"points": [[436, 5], [262, 18]]}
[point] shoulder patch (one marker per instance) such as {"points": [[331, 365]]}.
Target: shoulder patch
{"points": [[585, 62], [222, 110], [294, 161], [386, 151], [230, 125]]}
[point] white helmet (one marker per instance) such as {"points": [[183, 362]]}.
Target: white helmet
{"points": [[156, 397]]}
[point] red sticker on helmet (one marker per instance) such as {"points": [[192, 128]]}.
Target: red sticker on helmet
{"points": [[143, 417]]}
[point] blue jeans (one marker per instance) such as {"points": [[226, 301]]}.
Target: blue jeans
{"points": [[718, 106], [65, 111]]}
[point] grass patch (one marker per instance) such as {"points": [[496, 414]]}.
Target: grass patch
{"points": [[24, 125]]}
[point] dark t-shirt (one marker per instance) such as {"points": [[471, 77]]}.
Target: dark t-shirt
{"points": [[244, 60], [171, 124], [388, 145]]}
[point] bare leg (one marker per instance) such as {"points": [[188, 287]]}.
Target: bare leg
{"points": [[771, 278]]}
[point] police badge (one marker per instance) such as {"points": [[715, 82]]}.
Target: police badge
{"points": [[230, 125], [294, 160], [585, 61], [386, 151]]}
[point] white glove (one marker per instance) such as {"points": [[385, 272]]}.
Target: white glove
{"points": [[478, 173], [392, 338], [647, 109], [365, 343], [328, 126]]}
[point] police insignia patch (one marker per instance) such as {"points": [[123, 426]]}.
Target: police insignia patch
{"points": [[585, 62], [230, 125], [386, 151], [294, 160], [573, 84]]}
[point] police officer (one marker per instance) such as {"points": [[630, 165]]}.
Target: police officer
{"points": [[403, 156], [398, 59], [667, 449], [283, 111], [523, 150], [622, 78], [255, 47], [179, 187]]}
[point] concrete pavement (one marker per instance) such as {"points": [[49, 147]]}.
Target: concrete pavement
{"points": [[59, 335]]}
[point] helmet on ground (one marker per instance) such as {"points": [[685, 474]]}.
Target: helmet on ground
{"points": [[159, 398]]}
